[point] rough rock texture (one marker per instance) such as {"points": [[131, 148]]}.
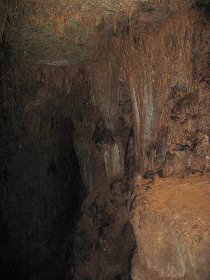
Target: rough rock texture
{"points": [[142, 114], [141, 109], [172, 228], [104, 238], [66, 32]]}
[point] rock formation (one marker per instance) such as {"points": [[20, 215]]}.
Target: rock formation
{"points": [[105, 140]]}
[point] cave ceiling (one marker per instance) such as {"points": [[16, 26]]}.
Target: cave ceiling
{"points": [[64, 32]]}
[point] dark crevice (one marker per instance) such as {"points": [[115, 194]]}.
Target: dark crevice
{"points": [[47, 251], [41, 189]]}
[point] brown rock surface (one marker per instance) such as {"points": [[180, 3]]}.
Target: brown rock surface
{"points": [[171, 221], [97, 98]]}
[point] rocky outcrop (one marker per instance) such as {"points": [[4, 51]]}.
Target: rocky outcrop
{"points": [[171, 222]]}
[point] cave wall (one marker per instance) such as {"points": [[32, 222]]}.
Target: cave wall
{"points": [[146, 112], [156, 84], [165, 74], [104, 238], [141, 110]]}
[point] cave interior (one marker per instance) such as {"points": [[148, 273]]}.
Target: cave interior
{"points": [[104, 140]]}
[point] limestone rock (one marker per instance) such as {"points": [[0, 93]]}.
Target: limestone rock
{"points": [[172, 229]]}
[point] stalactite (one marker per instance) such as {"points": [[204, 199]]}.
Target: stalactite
{"points": [[53, 78], [155, 60], [152, 73]]}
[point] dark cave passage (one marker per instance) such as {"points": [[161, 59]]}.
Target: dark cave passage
{"points": [[41, 194]]}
